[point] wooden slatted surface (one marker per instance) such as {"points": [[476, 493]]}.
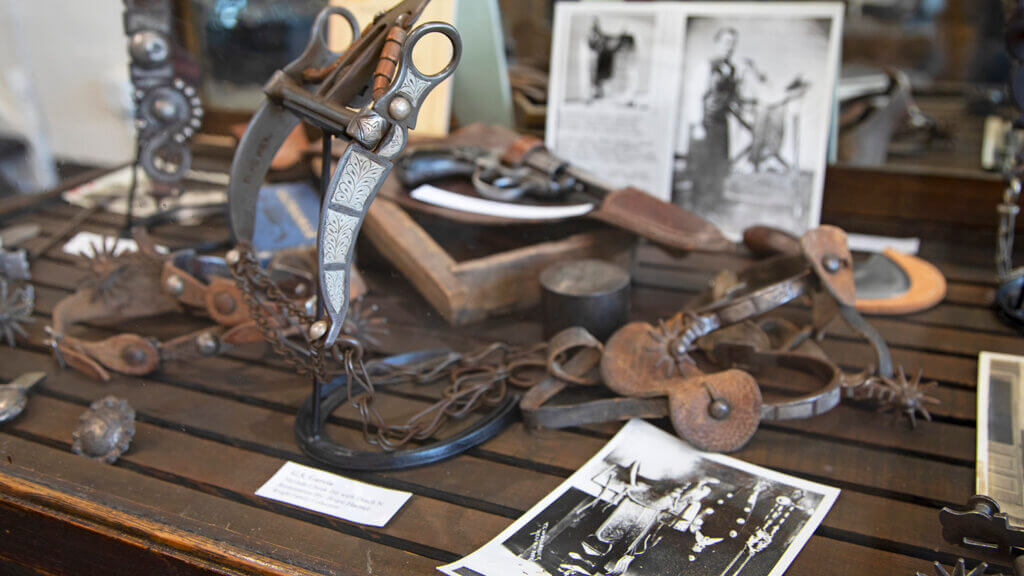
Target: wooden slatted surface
{"points": [[211, 432]]}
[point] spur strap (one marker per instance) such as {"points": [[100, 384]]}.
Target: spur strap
{"points": [[204, 283], [536, 413], [822, 269], [186, 282]]}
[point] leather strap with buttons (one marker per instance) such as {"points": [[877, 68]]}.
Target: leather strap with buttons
{"points": [[146, 284], [717, 411]]}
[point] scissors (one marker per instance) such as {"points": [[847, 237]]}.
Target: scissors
{"points": [[369, 95]]}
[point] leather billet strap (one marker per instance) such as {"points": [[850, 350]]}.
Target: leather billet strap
{"points": [[588, 355], [573, 355], [155, 285], [204, 283]]}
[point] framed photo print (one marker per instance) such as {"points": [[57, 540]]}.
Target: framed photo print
{"points": [[741, 94], [607, 108]]}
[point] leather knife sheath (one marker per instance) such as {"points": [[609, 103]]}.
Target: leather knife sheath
{"points": [[665, 224]]}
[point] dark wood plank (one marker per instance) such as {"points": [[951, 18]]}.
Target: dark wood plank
{"points": [[15, 205], [957, 199], [914, 443], [890, 434], [235, 473], [242, 410], [169, 521], [511, 486], [214, 229], [945, 341], [271, 432]]}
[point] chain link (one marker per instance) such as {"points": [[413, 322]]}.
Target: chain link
{"points": [[272, 311], [1013, 168], [1008, 211], [477, 379]]}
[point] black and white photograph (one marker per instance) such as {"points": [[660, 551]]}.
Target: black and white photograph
{"points": [[611, 96], [723, 108], [611, 56], [1000, 439], [648, 504], [755, 114]]}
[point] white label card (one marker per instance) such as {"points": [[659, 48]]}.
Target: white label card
{"points": [[433, 195], [333, 495], [86, 244], [871, 243]]}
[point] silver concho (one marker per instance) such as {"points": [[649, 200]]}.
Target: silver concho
{"points": [[105, 430]]}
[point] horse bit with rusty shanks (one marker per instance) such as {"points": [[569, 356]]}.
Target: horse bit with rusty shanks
{"points": [[369, 95]]}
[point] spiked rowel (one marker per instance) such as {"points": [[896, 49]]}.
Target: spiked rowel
{"points": [[959, 570]]}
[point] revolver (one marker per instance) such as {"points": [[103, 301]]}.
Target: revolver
{"points": [[526, 169]]}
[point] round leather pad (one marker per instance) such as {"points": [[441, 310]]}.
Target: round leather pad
{"points": [[689, 410], [630, 365]]}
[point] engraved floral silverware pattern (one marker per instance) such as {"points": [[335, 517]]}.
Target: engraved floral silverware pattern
{"points": [[359, 178]]}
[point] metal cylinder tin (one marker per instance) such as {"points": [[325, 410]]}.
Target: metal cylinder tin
{"points": [[593, 294]]}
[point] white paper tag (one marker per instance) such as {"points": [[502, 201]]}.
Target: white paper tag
{"points": [[429, 194], [333, 495], [871, 243], [86, 244]]}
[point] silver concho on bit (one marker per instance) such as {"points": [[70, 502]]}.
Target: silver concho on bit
{"points": [[105, 430], [14, 396]]}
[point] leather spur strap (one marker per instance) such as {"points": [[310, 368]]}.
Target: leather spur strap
{"points": [[654, 372], [147, 284], [573, 355], [576, 353]]}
